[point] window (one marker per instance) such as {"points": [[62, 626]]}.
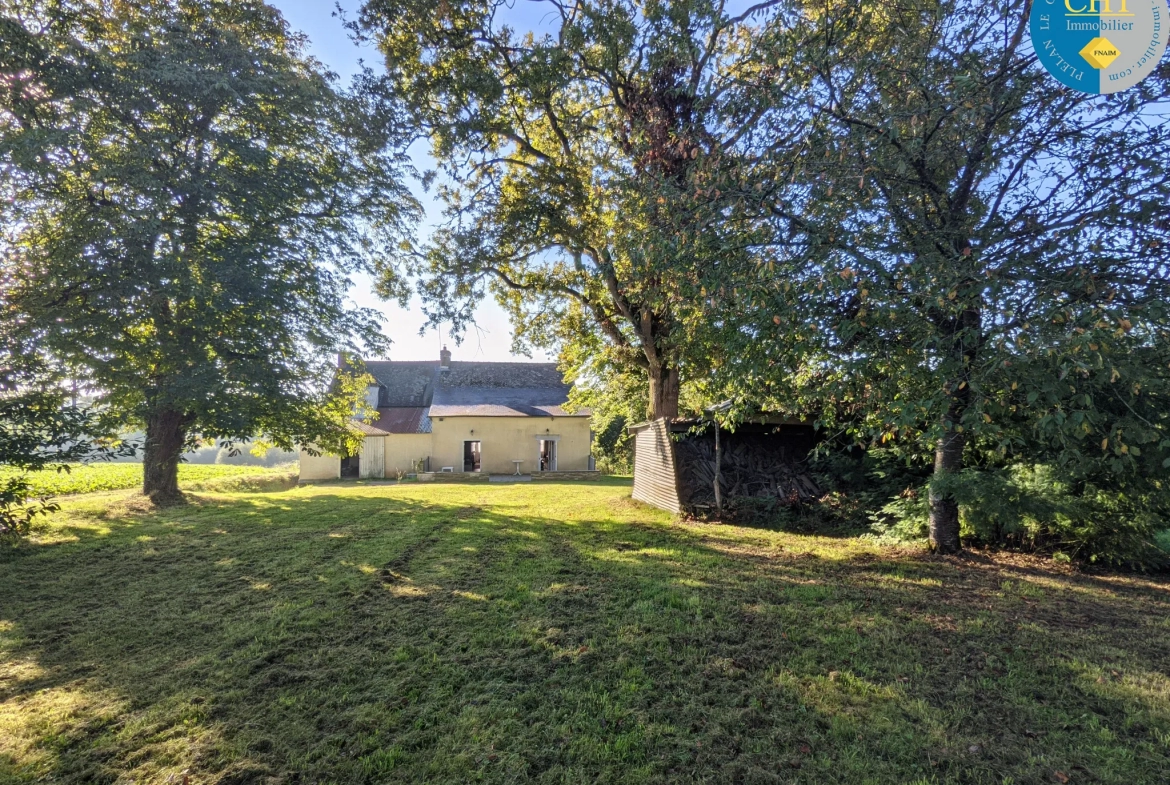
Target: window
{"points": [[548, 455], [471, 456]]}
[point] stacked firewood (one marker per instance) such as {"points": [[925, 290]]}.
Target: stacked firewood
{"points": [[751, 466]]}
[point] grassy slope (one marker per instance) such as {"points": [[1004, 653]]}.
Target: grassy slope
{"points": [[554, 633], [116, 476]]}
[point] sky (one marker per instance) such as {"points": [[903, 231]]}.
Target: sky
{"points": [[330, 44]]}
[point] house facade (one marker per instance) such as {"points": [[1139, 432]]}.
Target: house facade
{"points": [[472, 417]]}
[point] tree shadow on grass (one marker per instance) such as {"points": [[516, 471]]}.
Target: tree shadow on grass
{"points": [[365, 635]]}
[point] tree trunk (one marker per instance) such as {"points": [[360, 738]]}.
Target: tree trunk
{"points": [[944, 508], [663, 393], [166, 433], [948, 453]]}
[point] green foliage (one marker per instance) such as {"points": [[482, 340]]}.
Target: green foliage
{"points": [[613, 446], [593, 179], [1162, 539], [185, 195], [987, 279], [16, 512], [40, 430], [1038, 507]]}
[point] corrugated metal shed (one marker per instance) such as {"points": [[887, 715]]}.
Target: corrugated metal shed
{"points": [[655, 477], [674, 462]]}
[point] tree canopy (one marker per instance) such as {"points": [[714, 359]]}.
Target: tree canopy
{"points": [[998, 287], [593, 169], [185, 194]]}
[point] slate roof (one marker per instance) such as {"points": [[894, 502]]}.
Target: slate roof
{"points": [[398, 419], [404, 383], [413, 392]]}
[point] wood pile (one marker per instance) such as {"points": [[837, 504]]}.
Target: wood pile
{"points": [[758, 466]]}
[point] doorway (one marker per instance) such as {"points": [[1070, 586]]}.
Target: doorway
{"points": [[548, 455], [471, 456], [350, 465]]}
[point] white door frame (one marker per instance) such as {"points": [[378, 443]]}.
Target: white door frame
{"points": [[549, 437]]}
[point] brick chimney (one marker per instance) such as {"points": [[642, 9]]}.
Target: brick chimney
{"points": [[444, 359]]}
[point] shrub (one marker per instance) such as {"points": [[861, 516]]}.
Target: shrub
{"points": [[1036, 507], [613, 448], [16, 510]]}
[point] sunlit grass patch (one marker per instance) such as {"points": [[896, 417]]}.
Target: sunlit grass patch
{"points": [[555, 634]]}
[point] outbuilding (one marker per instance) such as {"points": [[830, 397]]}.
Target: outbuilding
{"points": [[693, 467]]}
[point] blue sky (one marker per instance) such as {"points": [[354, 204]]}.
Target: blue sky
{"points": [[330, 44]]}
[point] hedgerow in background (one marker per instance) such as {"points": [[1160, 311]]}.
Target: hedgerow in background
{"points": [[186, 194]]}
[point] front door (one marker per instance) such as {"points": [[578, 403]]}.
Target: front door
{"points": [[548, 455], [471, 456]]}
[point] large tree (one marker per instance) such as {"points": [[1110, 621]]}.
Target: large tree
{"points": [[185, 191], [1001, 279], [590, 168]]}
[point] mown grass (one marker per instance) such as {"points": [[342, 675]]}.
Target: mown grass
{"points": [[555, 633], [90, 478]]}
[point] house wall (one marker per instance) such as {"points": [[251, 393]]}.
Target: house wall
{"points": [[320, 467], [503, 439], [403, 449]]}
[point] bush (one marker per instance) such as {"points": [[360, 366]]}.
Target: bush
{"points": [[1035, 507], [16, 511], [613, 447]]}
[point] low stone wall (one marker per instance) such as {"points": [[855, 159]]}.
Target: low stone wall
{"points": [[555, 476], [460, 477]]}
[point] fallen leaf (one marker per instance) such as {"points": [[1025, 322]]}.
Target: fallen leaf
{"points": [[1060, 776], [805, 749], [974, 749]]}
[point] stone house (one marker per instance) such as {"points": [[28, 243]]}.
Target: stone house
{"points": [[473, 417]]}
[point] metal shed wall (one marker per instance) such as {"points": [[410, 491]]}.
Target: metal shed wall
{"points": [[655, 478]]}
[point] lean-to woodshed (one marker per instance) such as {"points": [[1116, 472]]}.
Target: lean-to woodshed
{"points": [[675, 464]]}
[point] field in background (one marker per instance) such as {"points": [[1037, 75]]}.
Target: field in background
{"points": [[116, 476], [554, 633]]}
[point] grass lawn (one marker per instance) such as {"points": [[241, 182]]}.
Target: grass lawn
{"points": [[554, 633], [93, 477]]}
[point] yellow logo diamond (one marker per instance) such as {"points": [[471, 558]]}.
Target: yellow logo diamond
{"points": [[1100, 53]]}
